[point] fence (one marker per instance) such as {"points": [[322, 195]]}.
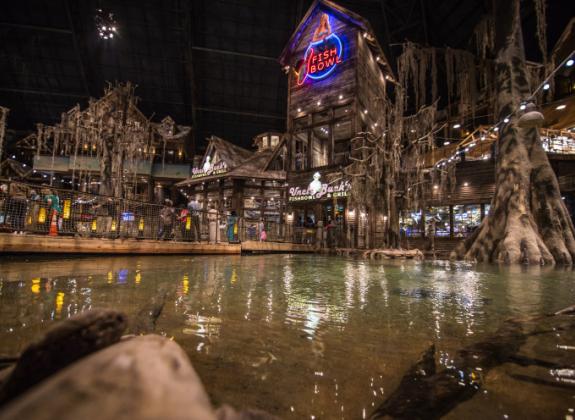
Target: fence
{"points": [[35, 209]]}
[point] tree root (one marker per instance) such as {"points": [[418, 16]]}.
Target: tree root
{"points": [[426, 393]]}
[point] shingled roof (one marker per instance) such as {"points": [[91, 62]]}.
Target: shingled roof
{"points": [[241, 162]]}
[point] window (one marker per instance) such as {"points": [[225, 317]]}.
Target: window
{"points": [[342, 111], [321, 117], [319, 146], [466, 219], [409, 223], [441, 217], [300, 151], [301, 122], [341, 139]]}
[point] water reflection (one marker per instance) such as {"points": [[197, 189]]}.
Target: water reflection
{"points": [[300, 336]]}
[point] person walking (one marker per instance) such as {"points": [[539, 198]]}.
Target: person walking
{"points": [[166, 220]]}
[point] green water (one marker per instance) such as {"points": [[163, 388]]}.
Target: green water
{"points": [[305, 336]]}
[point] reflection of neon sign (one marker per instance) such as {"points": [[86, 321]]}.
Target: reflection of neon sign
{"points": [[323, 54]]}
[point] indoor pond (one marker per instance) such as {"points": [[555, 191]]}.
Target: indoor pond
{"points": [[307, 336]]}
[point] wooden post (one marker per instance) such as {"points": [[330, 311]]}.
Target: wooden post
{"points": [[451, 222]]}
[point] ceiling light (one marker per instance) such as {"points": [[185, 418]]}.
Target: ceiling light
{"points": [[506, 120], [546, 86], [299, 110], [318, 103], [560, 107], [569, 62], [456, 125], [446, 143], [465, 184], [105, 24], [340, 97], [522, 107], [435, 187]]}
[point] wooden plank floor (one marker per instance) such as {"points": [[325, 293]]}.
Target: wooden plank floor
{"points": [[256, 246], [30, 244]]}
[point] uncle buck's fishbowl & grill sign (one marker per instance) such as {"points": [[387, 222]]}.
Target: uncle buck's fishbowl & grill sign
{"points": [[210, 169], [316, 190]]}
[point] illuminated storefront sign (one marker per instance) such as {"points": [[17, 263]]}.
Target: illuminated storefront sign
{"points": [[323, 54], [317, 190], [210, 169]]}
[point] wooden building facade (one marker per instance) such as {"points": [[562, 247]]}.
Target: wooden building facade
{"points": [[338, 78], [230, 178]]}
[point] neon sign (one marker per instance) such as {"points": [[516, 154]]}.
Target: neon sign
{"points": [[317, 190], [323, 54], [210, 169]]}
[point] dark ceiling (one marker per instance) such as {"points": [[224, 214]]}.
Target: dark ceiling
{"points": [[208, 63]]}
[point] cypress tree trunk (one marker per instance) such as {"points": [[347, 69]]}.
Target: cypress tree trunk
{"points": [[528, 222]]}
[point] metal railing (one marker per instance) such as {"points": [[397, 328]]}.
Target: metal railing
{"points": [[33, 209], [44, 210]]}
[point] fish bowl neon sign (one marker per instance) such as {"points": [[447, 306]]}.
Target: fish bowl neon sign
{"points": [[322, 55]]}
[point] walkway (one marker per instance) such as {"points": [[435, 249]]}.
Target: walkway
{"points": [[43, 244]]}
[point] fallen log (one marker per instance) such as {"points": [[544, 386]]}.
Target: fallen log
{"points": [[146, 377], [61, 345], [425, 393]]}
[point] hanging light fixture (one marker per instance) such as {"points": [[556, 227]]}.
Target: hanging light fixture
{"points": [[106, 24]]}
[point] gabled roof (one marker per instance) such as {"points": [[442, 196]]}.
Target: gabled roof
{"points": [[256, 167], [246, 164], [341, 13], [228, 152]]}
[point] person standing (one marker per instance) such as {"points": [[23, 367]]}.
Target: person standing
{"points": [[212, 225], [194, 208], [232, 229], [183, 219], [54, 208], [262, 231]]}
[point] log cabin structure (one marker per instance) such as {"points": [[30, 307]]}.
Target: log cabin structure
{"points": [[338, 77], [249, 183]]}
